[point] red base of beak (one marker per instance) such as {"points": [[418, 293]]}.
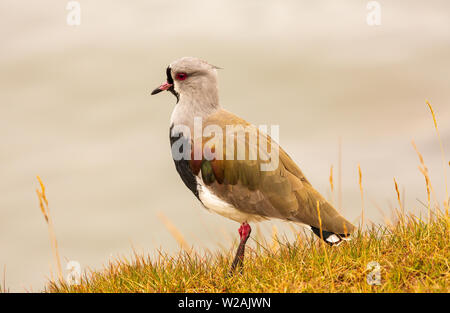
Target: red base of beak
{"points": [[163, 87]]}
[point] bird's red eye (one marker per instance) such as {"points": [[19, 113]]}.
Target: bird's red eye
{"points": [[181, 76]]}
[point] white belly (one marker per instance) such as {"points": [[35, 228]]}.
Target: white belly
{"points": [[217, 205]]}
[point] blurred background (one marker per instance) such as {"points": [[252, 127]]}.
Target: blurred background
{"points": [[75, 108]]}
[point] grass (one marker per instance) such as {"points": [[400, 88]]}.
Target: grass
{"points": [[413, 254], [43, 204]]}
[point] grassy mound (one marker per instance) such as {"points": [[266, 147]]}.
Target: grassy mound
{"points": [[413, 256]]}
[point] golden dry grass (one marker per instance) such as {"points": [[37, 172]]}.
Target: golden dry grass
{"points": [[413, 257], [43, 204], [361, 190], [444, 167]]}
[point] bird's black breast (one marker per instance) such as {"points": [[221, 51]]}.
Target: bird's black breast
{"points": [[182, 165]]}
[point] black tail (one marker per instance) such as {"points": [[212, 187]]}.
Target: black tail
{"points": [[330, 238]]}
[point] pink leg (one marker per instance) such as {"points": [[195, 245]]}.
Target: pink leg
{"points": [[244, 233]]}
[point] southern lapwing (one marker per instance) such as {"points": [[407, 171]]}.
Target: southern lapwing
{"points": [[235, 184]]}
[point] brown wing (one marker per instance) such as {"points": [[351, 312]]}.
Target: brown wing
{"points": [[282, 192]]}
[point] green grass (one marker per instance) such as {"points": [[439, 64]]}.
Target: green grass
{"points": [[413, 255]]}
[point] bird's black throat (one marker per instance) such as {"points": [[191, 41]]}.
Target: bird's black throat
{"points": [[170, 81]]}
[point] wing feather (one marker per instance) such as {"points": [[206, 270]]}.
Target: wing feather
{"points": [[283, 192]]}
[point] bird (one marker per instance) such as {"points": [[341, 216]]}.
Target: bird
{"points": [[236, 186]]}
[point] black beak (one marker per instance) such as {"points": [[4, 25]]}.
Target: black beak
{"points": [[157, 90]]}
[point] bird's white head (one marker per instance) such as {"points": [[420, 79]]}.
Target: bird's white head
{"points": [[192, 79]]}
